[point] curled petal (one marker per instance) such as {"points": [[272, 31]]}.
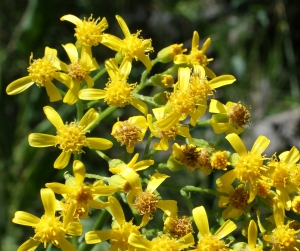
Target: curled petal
{"points": [[89, 119], [19, 85], [71, 18], [155, 180]]}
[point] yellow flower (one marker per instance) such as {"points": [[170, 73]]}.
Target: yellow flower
{"points": [[166, 135], [82, 195], [130, 131], [161, 243], [177, 227], [252, 237], [206, 240], [78, 70], [49, 228], [131, 46], [197, 57], [119, 233], [88, 32], [189, 97], [41, 72], [249, 168], [236, 202], [281, 176], [168, 54], [117, 91], [229, 118], [70, 138]]}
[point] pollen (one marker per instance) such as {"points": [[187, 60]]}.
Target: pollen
{"points": [[163, 243], [238, 199], [281, 174], [127, 134], [182, 102], [49, 230], [211, 243], [119, 238], [71, 138], [263, 188], [248, 168], [77, 72], [200, 87], [219, 160], [198, 58], [145, 203], [285, 238], [180, 227], [119, 93], [89, 32], [239, 115], [41, 70], [167, 80], [296, 204]]}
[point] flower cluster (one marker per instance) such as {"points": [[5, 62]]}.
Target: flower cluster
{"points": [[132, 195]]}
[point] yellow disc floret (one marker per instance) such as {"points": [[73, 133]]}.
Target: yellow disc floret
{"points": [[77, 72], [71, 138], [145, 203], [219, 160], [263, 188], [41, 70], [182, 102], [211, 243], [296, 204], [163, 243], [119, 93], [239, 115], [238, 199], [49, 230], [199, 86], [179, 227], [198, 58]]}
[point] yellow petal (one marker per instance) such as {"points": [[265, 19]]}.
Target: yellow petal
{"points": [[123, 26], [86, 59], [19, 85], [98, 204], [168, 122], [226, 179], [69, 215], [25, 219], [217, 107], [140, 105], [133, 160], [181, 59], [221, 80], [72, 95], [209, 73], [231, 212], [74, 228], [71, 18], [112, 42], [145, 219], [59, 188], [49, 201], [252, 234], [237, 144], [195, 40], [72, 52], [186, 241], [89, 81], [201, 220], [79, 171], [155, 180], [52, 91], [111, 66], [159, 113], [94, 237], [183, 78], [88, 119], [206, 45], [162, 145], [260, 145], [104, 190], [29, 245], [65, 245], [223, 201], [51, 55], [91, 94], [168, 206], [225, 229], [139, 241], [133, 179], [99, 143], [53, 116], [252, 192], [291, 156], [63, 78], [125, 68], [116, 210], [62, 161], [141, 165], [41, 140], [146, 61]]}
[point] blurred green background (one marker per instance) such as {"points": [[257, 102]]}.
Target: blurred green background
{"points": [[256, 41]]}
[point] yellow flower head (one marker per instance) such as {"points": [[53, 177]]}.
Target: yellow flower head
{"points": [[88, 32], [70, 138], [166, 135], [130, 131], [167, 54], [120, 231], [131, 46], [82, 195], [249, 168], [41, 72], [207, 241], [79, 70], [177, 227], [219, 160], [49, 228], [229, 118], [117, 91]]}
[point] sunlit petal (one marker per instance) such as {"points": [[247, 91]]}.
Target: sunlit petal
{"points": [[63, 160], [19, 85], [260, 145], [139, 241], [59, 188], [201, 220], [71, 18], [91, 94], [49, 201], [225, 229], [168, 206], [41, 140], [65, 245], [98, 204], [123, 26], [25, 219], [94, 237], [79, 171], [52, 91], [29, 245], [53, 116], [140, 105], [221, 81], [252, 234], [155, 180], [237, 144], [195, 40], [72, 52], [116, 210], [74, 228], [99, 143]]}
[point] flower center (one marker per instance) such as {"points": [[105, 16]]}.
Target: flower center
{"points": [[281, 175], [165, 244], [238, 199], [219, 160], [169, 134], [182, 102], [200, 87], [71, 138], [145, 203], [211, 243], [263, 188], [120, 235], [89, 32], [41, 70], [198, 58], [239, 115], [49, 230], [77, 72], [180, 227], [127, 134], [119, 93], [296, 204], [285, 238], [176, 49]]}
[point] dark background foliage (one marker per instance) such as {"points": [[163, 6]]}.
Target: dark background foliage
{"points": [[256, 41]]}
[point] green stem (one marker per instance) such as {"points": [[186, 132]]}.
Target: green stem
{"points": [[103, 115], [145, 156], [91, 103], [203, 123], [146, 99], [143, 78], [102, 219], [103, 156], [49, 247], [203, 190], [171, 70], [95, 176], [99, 74], [79, 110]]}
